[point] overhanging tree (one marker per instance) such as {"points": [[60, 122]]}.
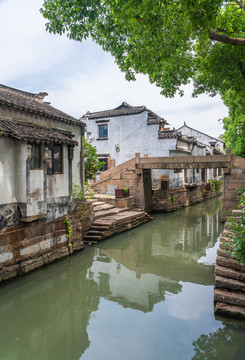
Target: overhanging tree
{"points": [[172, 41]]}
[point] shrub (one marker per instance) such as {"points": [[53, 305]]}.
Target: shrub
{"points": [[237, 227]]}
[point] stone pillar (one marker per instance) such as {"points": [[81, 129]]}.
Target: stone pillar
{"points": [[82, 174], [70, 158], [28, 167], [45, 175]]}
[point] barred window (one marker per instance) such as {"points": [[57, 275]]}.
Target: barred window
{"points": [[103, 131], [35, 156], [55, 160]]}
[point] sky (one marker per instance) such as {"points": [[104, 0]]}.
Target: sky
{"points": [[81, 77]]}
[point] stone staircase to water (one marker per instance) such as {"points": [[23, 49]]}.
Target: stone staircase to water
{"points": [[110, 220]]}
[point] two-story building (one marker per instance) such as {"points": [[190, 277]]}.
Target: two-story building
{"points": [[121, 132]]}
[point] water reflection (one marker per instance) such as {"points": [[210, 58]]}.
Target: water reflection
{"points": [[82, 307], [225, 343], [146, 264]]}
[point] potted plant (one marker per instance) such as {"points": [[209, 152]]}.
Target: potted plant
{"points": [[119, 192], [125, 192]]}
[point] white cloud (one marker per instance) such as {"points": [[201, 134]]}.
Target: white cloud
{"points": [[81, 77]]}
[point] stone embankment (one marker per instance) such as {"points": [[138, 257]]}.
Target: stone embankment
{"points": [[110, 220], [229, 292], [28, 247], [177, 198]]}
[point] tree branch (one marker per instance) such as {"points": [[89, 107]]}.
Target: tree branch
{"points": [[226, 39], [240, 4]]}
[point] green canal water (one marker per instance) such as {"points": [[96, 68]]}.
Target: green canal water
{"points": [[141, 295]]}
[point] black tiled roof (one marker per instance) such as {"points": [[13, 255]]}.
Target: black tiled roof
{"points": [[200, 132], [169, 134], [29, 132], [33, 103], [125, 109]]}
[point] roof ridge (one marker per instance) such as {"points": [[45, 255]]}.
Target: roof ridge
{"points": [[200, 132], [33, 103], [25, 93]]}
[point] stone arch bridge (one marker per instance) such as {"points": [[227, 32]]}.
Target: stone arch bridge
{"points": [[135, 174]]}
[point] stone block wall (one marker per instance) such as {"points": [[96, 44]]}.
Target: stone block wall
{"points": [[177, 198], [123, 176], [125, 202], [231, 183], [229, 291], [27, 247]]}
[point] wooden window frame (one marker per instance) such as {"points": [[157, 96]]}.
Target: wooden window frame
{"points": [[103, 127], [34, 157], [51, 169], [106, 161]]}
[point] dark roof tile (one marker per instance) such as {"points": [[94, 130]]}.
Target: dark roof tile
{"points": [[33, 103], [125, 109], [29, 132]]}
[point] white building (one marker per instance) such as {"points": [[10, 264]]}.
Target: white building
{"points": [[121, 132], [213, 145], [40, 157]]}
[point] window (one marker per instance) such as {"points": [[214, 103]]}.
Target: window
{"points": [[164, 185], [103, 131], [55, 159], [104, 162], [35, 156]]}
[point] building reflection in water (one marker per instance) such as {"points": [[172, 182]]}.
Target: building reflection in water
{"points": [[45, 315]]}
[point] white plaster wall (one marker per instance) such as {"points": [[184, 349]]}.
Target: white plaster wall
{"points": [[133, 135], [77, 154], [58, 184], [20, 166], [203, 138], [12, 172], [13, 155], [7, 171], [36, 193]]}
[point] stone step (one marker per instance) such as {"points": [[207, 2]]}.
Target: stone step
{"points": [[98, 203], [103, 207], [229, 273], [103, 223], [96, 232], [229, 263], [125, 216], [229, 297], [230, 284], [90, 238], [105, 213], [230, 310], [99, 227]]}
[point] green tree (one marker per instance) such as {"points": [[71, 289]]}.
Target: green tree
{"points": [[234, 124], [91, 163], [174, 42]]}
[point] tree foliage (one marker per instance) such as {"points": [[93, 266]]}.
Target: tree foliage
{"points": [[91, 163], [172, 41], [234, 124]]}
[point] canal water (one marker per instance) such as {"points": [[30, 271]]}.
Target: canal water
{"points": [[144, 294]]}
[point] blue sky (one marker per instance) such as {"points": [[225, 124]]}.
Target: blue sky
{"points": [[80, 76]]}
